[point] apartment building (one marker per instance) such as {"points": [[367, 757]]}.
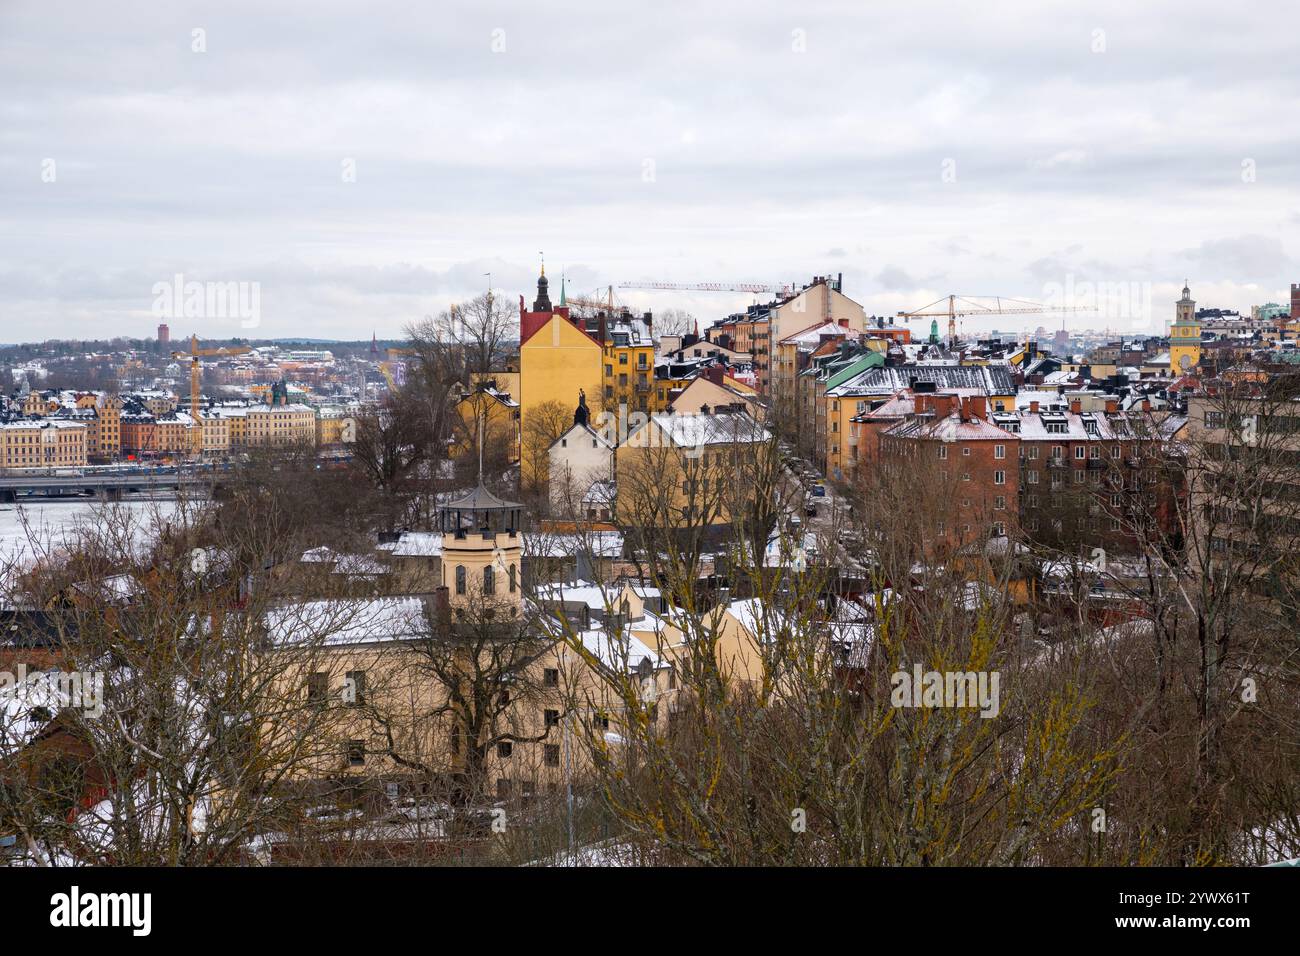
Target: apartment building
{"points": [[689, 464], [1086, 473], [967, 463], [44, 443]]}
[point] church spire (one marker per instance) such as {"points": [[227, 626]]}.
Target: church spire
{"points": [[562, 301], [543, 302]]}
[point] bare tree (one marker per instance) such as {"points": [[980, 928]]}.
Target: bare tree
{"points": [[481, 330]]}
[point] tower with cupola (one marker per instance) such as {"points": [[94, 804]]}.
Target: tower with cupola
{"points": [[1184, 335], [482, 553]]}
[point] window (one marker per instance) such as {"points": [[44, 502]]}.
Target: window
{"points": [[1000, 503], [504, 749], [551, 755], [489, 579], [999, 477], [460, 579], [356, 753], [965, 450], [1115, 452], [943, 452], [622, 358], [551, 677], [503, 788], [1033, 452], [1094, 452], [1080, 452], [318, 688], [514, 579], [1031, 501], [552, 718], [1031, 477], [355, 688], [600, 722], [965, 476], [999, 451]]}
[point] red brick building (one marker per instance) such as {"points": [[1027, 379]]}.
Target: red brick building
{"points": [[977, 464]]}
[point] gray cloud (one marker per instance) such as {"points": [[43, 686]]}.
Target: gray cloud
{"points": [[684, 142]]}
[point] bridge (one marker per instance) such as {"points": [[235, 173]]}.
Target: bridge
{"points": [[107, 484]]}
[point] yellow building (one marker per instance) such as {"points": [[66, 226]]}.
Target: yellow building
{"points": [[280, 425], [1184, 336], [43, 444], [216, 434], [686, 470], [334, 426], [106, 433], [497, 412], [629, 364], [557, 360]]}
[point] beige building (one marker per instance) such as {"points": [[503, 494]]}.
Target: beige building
{"points": [[48, 443], [250, 426], [713, 391]]}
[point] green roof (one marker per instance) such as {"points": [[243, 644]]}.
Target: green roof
{"points": [[870, 360]]}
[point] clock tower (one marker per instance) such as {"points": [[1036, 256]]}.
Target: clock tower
{"points": [[1184, 336]]}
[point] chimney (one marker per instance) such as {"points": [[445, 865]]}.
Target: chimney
{"points": [[844, 323], [1076, 406], [1033, 407], [944, 404], [1112, 406], [1146, 404], [976, 407], [441, 609]]}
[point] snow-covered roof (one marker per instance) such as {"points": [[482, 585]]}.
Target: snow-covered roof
{"points": [[414, 544], [348, 622], [550, 544], [693, 431]]}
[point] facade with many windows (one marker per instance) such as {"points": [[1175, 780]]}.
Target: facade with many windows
{"points": [[46, 443]]}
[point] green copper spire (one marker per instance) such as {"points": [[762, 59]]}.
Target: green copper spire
{"points": [[561, 289], [934, 331]]}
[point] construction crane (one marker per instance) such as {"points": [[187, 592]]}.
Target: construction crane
{"points": [[756, 287], [194, 354], [967, 305]]}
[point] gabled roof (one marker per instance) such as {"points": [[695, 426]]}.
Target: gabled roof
{"points": [[580, 428]]}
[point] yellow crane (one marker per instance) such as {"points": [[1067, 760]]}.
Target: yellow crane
{"points": [[994, 305], [194, 354]]}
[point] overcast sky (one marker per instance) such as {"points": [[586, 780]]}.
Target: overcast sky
{"points": [[920, 149]]}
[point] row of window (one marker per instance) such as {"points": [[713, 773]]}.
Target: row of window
{"points": [[489, 579]]}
